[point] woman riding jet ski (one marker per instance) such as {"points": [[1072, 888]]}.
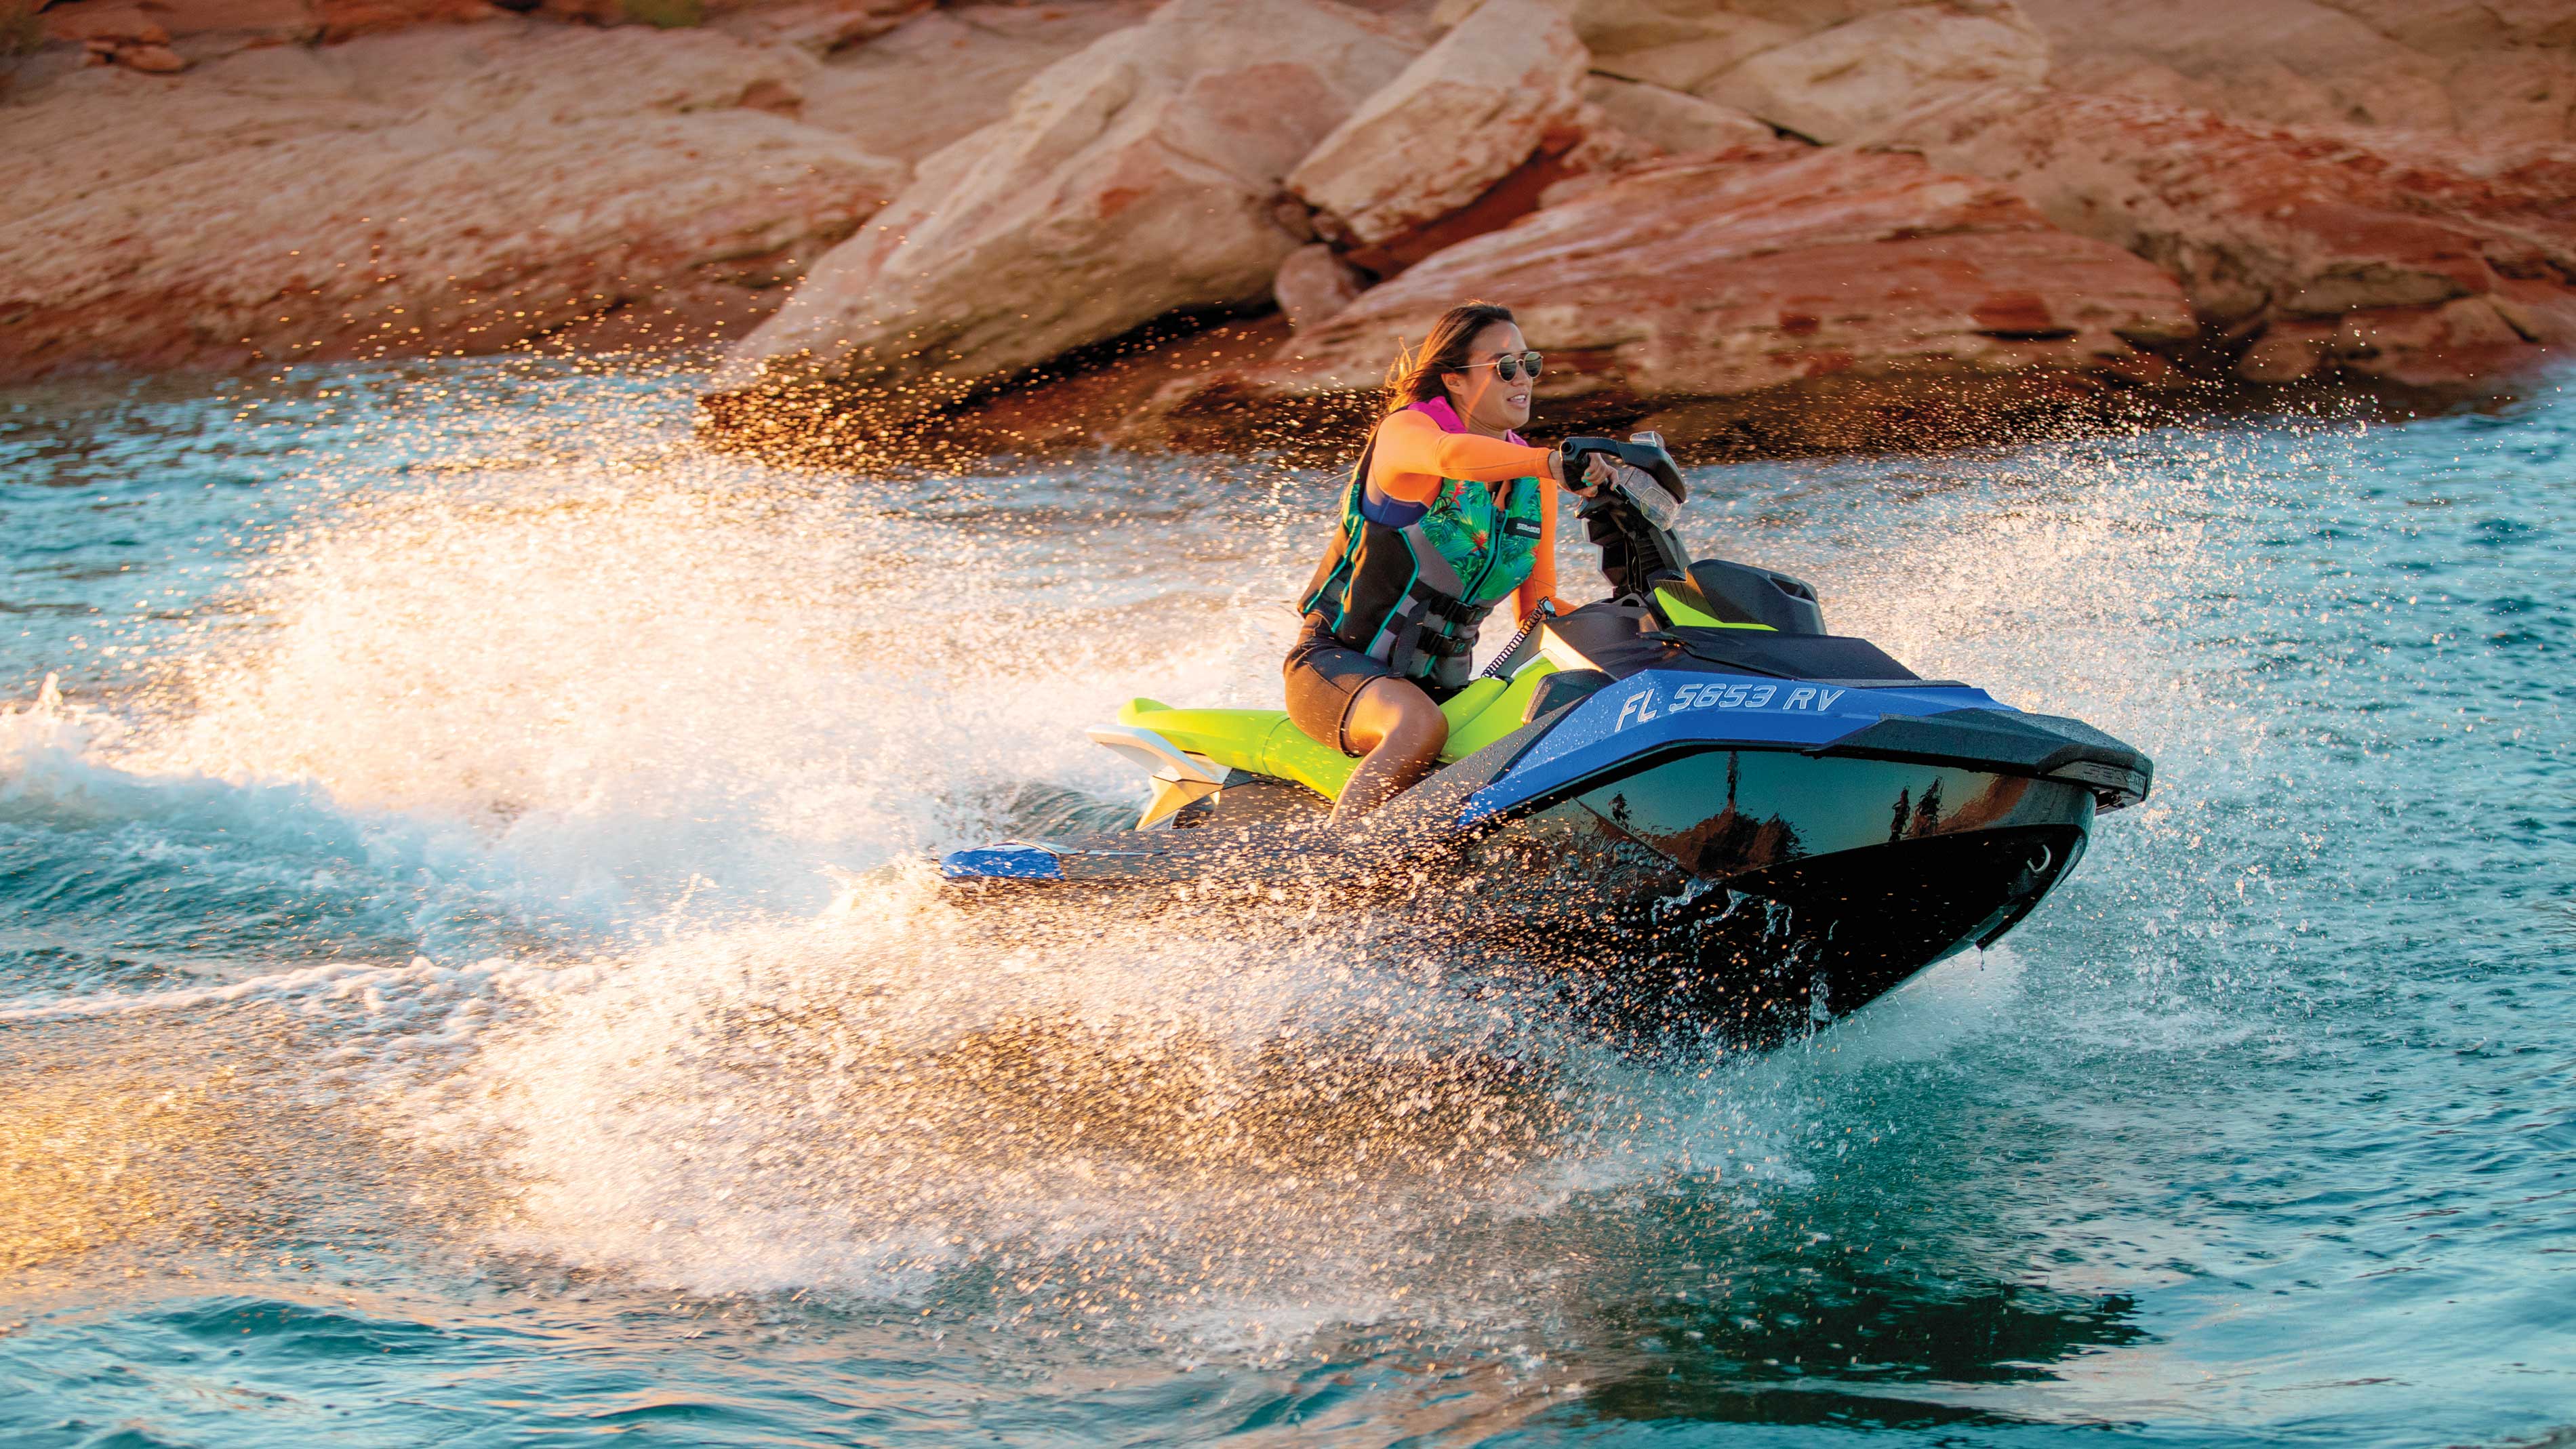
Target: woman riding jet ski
{"points": [[1448, 513], [1446, 516], [1688, 801]]}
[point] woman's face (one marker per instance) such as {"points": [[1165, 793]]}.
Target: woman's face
{"points": [[1484, 401]]}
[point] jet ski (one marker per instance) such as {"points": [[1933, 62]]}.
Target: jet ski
{"points": [[1692, 799]]}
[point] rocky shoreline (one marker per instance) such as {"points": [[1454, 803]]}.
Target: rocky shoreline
{"points": [[1759, 225]]}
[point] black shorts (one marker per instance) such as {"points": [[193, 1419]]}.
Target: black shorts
{"points": [[1324, 678]]}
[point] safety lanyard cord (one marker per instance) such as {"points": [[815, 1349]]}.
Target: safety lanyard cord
{"points": [[1545, 611]]}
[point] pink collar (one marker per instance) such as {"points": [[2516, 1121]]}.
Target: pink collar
{"points": [[1440, 410]]}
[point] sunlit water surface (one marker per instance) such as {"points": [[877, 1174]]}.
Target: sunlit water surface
{"points": [[468, 973]]}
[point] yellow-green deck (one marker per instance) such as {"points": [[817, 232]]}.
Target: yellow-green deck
{"points": [[1265, 742]]}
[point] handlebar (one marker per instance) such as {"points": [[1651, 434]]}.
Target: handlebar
{"points": [[1647, 455]]}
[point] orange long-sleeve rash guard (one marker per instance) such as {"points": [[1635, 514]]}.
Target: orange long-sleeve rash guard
{"points": [[1414, 454]]}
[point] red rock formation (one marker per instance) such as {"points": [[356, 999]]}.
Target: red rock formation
{"points": [[1313, 284], [348, 19], [475, 186], [1841, 81], [82, 24], [2487, 72], [271, 206], [824, 26], [117, 34], [215, 27], [2406, 259], [1130, 181], [1464, 114], [1695, 288], [1676, 122]]}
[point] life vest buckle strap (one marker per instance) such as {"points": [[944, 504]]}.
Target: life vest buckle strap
{"points": [[1430, 603]]}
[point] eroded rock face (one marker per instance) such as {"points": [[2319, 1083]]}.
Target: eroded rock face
{"points": [[821, 26], [1678, 44], [1820, 68], [1748, 275], [2466, 24], [1313, 284], [426, 191], [349, 19], [1674, 122], [1465, 113], [2489, 73], [2413, 261], [1135, 179], [2371, 189], [1843, 80], [945, 73]]}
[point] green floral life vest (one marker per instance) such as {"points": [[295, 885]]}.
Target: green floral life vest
{"points": [[1491, 546], [1413, 596]]}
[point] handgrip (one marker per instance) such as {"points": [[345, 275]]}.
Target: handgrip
{"points": [[1649, 458]]}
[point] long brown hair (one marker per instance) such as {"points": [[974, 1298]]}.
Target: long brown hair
{"points": [[1415, 377]]}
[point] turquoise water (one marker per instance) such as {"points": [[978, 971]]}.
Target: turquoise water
{"points": [[467, 974]]}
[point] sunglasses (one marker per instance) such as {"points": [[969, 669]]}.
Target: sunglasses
{"points": [[1510, 365]]}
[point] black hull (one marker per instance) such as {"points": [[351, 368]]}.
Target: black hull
{"points": [[1690, 899], [1778, 952], [1737, 894]]}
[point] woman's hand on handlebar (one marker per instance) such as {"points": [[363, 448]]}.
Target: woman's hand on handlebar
{"points": [[1596, 471], [1601, 471]]}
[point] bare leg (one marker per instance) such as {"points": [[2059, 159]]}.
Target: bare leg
{"points": [[1402, 730]]}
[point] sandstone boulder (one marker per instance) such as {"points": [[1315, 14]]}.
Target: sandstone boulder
{"points": [[208, 28], [1132, 180], [150, 59], [1867, 58], [2436, 347], [1759, 277], [821, 26], [112, 23], [1464, 114], [2489, 73], [1587, 151], [2423, 262], [1313, 284], [2514, 97], [1677, 44], [349, 19], [1839, 82], [948, 72], [418, 192], [1674, 122], [2452, 25]]}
